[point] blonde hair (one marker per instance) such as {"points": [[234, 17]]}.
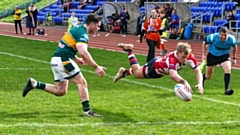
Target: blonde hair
{"points": [[184, 47]]}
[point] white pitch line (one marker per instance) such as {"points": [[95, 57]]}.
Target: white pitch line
{"points": [[135, 82], [118, 123], [7, 68]]}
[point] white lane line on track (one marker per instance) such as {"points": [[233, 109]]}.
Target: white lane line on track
{"points": [[127, 80]]}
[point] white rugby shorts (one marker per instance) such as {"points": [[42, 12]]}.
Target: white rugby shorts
{"points": [[64, 70]]}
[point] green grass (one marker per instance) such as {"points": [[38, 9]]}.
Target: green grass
{"points": [[129, 107]]}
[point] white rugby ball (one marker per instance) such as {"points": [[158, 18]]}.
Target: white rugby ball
{"points": [[182, 93]]}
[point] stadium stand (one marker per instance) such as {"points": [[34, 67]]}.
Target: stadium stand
{"points": [[207, 16]]}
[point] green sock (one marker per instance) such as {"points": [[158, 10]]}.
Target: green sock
{"points": [[41, 85], [86, 106]]}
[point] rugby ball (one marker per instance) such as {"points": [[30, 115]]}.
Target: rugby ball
{"points": [[182, 93]]}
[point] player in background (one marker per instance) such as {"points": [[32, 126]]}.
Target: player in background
{"points": [[161, 66], [219, 46], [64, 67]]}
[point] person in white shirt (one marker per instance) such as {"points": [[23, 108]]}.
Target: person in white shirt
{"points": [[72, 21]]}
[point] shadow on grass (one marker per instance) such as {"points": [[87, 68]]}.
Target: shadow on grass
{"points": [[24, 115], [108, 116], [164, 95], [113, 117]]}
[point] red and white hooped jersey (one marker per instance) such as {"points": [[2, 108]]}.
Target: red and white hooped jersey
{"points": [[170, 61]]}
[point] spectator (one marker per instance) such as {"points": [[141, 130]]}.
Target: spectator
{"points": [[140, 22], [124, 16], [17, 19], [66, 6], [82, 4], [230, 17], [174, 20], [173, 33], [164, 27], [109, 26], [49, 18], [98, 10], [122, 9], [115, 16], [72, 21], [152, 26], [168, 10], [31, 19]]}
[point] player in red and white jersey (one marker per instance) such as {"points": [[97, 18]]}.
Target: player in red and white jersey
{"points": [[161, 66], [170, 61]]}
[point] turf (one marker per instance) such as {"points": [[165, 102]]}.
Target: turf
{"points": [[129, 107]]}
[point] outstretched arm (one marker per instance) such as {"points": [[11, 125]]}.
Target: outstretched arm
{"points": [[82, 49], [86, 56], [177, 78]]}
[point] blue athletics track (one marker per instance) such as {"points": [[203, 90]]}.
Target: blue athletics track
{"points": [[54, 33]]}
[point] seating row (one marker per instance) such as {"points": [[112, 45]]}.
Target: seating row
{"points": [[228, 5], [210, 29], [219, 22], [206, 18], [57, 20], [206, 9]]}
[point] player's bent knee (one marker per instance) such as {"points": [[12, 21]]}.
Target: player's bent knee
{"points": [[208, 76], [61, 93], [227, 71]]}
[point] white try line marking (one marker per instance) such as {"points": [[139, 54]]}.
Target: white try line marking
{"points": [[8, 68], [130, 81], [117, 123]]}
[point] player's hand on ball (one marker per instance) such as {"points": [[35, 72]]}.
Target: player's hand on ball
{"points": [[100, 71], [200, 88], [187, 87]]}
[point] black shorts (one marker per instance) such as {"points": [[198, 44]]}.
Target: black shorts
{"points": [[149, 70], [213, 60]]}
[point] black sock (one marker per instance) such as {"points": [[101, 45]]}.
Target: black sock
{"points": [[41, 85], [86, 106], [226, 80], [128, 51], [204, 78]]}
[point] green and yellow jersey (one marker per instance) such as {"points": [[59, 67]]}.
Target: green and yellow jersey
{"points": [[68, 44]]}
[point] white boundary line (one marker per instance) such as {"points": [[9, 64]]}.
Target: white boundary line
{"points": [[131, 81], [117, 123], [7, 68]]}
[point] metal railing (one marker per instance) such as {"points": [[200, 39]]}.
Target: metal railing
{"points": [[223, 8], [201, 16], [236, 28]]}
